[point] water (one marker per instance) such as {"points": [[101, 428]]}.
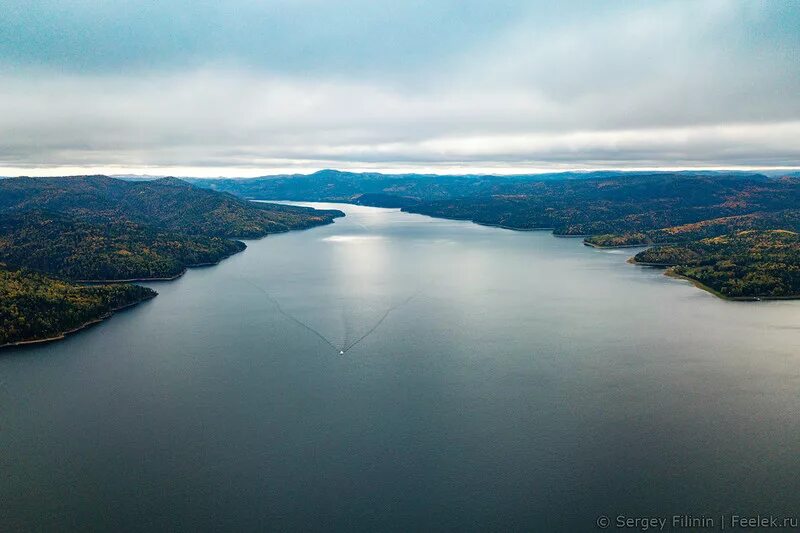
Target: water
{"points": [[503, 380]]}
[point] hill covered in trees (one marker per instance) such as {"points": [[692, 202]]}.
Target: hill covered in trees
{"points": [[169, 204], [618, 205], [34, 307], [788, 219], [119, 250], [746, 264], [55, 232]]}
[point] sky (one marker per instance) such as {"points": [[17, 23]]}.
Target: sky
{"points": [[247, 88]]}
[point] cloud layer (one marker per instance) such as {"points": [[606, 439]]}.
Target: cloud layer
{"points": [[247, 88]]}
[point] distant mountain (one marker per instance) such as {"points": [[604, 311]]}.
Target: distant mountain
{"points": [[614, 205], [338, 186], [574, 203]]}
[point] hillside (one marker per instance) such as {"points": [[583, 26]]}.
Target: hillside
{"points": [[384, 189], [788, 219], [34, 307], [55, 231], [120, 250], [747, 264], [616, 205], [167, 203], [100, 228]]}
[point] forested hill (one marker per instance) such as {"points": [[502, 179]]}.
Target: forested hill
{"points": [[375, 188], [746, 264], [118, 250], [35, 307], [167, 203], [338, 186], [96, 228], [100, 228]]}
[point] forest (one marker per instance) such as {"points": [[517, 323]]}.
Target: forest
{"points": [[168, 204], [747, 264], [35, 307], [58, 233], [788, 219], [119, 250]]}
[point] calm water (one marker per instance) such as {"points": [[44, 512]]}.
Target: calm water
{"points": [[503, 380]]}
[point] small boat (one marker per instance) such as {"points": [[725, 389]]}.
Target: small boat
{"points": [[341, 352]]}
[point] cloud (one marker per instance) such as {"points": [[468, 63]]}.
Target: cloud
{"points": [[255, 87]]}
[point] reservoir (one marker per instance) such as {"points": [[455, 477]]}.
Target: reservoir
{"points": [[392, 371]]}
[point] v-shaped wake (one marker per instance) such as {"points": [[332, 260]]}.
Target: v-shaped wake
{"points": [[290, 316], [308, 327]]}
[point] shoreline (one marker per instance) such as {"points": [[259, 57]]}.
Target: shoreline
{"points": [[201, 265], [633, 261], [651, 245], [670, 273], [131, 280], [64, 334], [501, 226], [148, 280], [490, 224], [617, 247], [700, 285]]}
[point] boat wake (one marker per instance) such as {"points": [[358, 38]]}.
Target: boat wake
{"points": [[372, 330], [346, 346], [290, 316]]}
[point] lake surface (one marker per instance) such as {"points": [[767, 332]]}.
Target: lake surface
{"points": [[502, 380]]}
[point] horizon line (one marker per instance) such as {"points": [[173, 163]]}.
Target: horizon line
{"points": [[239, 173]]}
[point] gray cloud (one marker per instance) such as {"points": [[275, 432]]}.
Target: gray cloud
{"points": [[249, 87]]}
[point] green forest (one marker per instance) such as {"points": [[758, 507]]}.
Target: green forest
{"points": [[747, 264], [119, 250], [168, 204], [35, 307], [56, 233]]}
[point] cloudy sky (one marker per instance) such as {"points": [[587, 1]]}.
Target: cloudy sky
{"points": [[246, 87]]}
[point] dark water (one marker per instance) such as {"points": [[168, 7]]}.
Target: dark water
{"points": [[514, 381]]}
